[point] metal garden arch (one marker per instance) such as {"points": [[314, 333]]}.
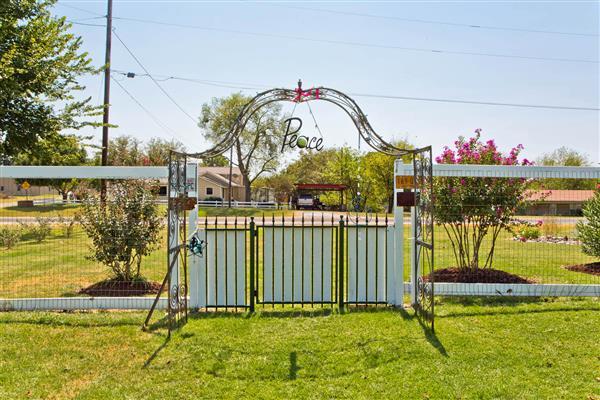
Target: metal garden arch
{"points": [[182, 192]]}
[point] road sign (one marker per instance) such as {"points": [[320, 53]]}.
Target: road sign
{"points": [[25, 185]]}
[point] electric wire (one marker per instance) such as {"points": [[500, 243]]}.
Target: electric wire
{"points": [[154, 80], [158, 122], [359, 44], [435, 22], [395, 97]]}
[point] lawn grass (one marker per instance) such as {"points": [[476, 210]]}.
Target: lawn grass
{"points": [[49, 210], [481, 350], [59, 267]]}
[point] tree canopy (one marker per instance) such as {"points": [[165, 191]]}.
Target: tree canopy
{"points": [[564, 156], [40, 63], [258, 149]]}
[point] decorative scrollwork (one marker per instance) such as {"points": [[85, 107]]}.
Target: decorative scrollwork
{"points": [[423, 232]]}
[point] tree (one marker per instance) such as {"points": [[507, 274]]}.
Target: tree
{"points": [[40, 62], [564, 156], [55, 150], [124, 229], [589, 232], [471, 208], [158, 150], [258, 149], [127, 150], [378, 174]]}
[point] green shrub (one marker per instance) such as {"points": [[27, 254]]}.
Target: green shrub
{"points": [[589, 231], [66, 225], [9, 237], [526, 232], [38, 231], [123, 229]]}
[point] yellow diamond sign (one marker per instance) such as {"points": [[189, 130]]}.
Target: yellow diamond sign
{"points": [[25, 185]]}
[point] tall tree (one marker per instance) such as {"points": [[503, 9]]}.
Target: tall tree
{"points": [[258, 149], [40, 63], [158, 150], [55, 150], [128, 150], [565, 156], [378, 174]]}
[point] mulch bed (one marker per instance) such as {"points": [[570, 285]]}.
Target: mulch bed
{"points": [[112, 288], [487, 275], [591, 268]]}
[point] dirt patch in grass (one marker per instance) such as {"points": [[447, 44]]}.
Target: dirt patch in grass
{"points": [[590, 268], [114, 288], [479, 275]]}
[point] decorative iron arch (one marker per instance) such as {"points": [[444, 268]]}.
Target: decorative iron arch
{"points": [[298, 95]]}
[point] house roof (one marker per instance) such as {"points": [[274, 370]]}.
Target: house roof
{"points": [[560, 196], [218, 180], [219, 170]]}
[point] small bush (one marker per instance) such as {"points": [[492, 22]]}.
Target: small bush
{"points": [[589, 231], [38, 231], [9, 237], [525, 230], [124, 229], [66, 225]]}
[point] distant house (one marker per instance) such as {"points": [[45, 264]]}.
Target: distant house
{"points": [[557, 202], [9, 187], [213, 182]]}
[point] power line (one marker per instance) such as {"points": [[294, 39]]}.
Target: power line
{"points": [[154, 118], [383, 96], [357, 44], [425, 21], [485, 103], [154, 80], [224, 84], [81, 9]]}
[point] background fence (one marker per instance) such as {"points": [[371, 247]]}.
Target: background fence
{"points": [[539, 252], [44, 254]]}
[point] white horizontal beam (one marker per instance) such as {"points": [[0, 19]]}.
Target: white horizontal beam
{"points": [[81, 303], [507, 289], [82, 172], [504, 171]]}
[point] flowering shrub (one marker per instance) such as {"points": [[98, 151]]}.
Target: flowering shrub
{"points": [[526, 230], [469, 209]]}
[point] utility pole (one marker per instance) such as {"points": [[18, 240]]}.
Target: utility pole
{"points": [[230, 171], [106, 93]]}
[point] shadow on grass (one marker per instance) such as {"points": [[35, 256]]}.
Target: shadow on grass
{"points": [[294, 368], [505, 306], [156, 352]]}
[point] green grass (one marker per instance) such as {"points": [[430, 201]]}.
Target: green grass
{"points": [[59, 267], [493, 350], [50, 210], [539, 262]]}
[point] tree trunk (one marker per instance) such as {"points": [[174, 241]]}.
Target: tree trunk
{"points": [[247, 188]]}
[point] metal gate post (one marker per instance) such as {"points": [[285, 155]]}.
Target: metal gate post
{"points": [[341, 265], [252, 262]]}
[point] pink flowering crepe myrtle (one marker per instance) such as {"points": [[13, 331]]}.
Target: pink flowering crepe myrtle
{"points": [[474, 210]]}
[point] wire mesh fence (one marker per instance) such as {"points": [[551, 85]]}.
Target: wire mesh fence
{"points": [[46, 251]]}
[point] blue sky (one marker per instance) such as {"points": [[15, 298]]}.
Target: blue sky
{"points": [[217, 55]]}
